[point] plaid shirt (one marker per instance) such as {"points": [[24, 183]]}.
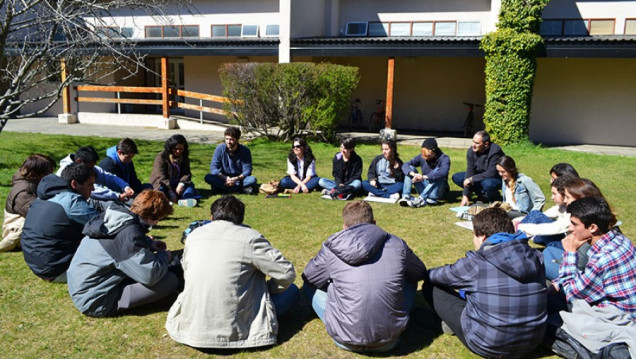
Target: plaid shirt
{"points": [[609, 277]]}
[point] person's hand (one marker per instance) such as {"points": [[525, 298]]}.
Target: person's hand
{"points": [[297, 189], [465, 201], [373, 183], [417, 178], [157, 246], [468, 182], [129, 191], [123, 197], [571, 243], [304, 188], [180, 188], [229, 181]]}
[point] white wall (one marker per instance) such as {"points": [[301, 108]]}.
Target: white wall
{"points": [[584, 101]]}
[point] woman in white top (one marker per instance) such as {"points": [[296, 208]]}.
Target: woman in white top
{"points": [[518, 190], [301, 168]]}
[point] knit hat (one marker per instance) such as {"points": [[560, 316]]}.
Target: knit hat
{"points": [[430, 143]]}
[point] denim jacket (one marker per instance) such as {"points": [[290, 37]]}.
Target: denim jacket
{"points": [[528, 195]]}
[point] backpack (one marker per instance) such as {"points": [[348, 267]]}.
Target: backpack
{"points": [[192, 226]]}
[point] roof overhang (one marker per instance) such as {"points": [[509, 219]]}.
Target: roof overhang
{"points": [[608, 46], [208, 47]]}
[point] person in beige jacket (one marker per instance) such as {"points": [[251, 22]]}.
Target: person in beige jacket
{"points": [[227, 302]]}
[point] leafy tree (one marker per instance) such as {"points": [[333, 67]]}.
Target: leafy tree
{"points": [[35, 35], [511, 68], [280, 101]]}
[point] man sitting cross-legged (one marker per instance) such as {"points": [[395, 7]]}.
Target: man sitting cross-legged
{"points": [[362, 283], [226, 302], [500, 310], [231, 166], [432, 183]]}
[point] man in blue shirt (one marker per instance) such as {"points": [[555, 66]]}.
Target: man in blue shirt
{"points": [[231, 166]]}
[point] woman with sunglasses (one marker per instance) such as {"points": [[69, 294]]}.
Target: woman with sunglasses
{"points": [[301, 168]]}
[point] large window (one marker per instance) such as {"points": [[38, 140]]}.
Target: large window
{"points": [[424, 28], [172, 31], [577, 27], [114, 32]]}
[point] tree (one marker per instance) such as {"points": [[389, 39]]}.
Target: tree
{"points": [[511, 68], [35, 35]]}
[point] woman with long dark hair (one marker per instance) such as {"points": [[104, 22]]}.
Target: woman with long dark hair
{"points": [[171, 171], [518, 190], [385, 177], [301, 168]]}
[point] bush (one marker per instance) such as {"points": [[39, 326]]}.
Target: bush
{"points": [[511, 68], [280, 101]]}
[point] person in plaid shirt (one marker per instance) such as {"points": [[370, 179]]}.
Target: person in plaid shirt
{"points": [[500, 310], [609, 277]]}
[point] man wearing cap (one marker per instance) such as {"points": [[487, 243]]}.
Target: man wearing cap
{"points": [[481, 172], [432, 183]]}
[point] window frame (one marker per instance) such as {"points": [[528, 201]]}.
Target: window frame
{"points": [[179, 27], [588, 25], [227, 32], [625, 25]]}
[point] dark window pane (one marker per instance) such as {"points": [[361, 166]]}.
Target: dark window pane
{"points": [[234, 30], [153, 31], [218, 31], [190, 31]]}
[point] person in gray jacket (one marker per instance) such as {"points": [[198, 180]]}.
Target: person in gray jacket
{"points": [[117, 266], [362, 283], [226, 302]]}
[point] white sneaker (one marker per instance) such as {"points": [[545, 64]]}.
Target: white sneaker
{"points": [[188, 202], [395, 196], [371, 194], [404, 201], [431, 201], [417, 203], [324, 192]]}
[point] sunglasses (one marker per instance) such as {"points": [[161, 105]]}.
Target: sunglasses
{"points": [[297, 146]]}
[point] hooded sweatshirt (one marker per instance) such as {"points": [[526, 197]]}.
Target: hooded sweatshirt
{"points": [[365, 269], [504, 281], [53, 227], [115, 252], [126, 171]]}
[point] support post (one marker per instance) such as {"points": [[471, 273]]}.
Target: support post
{"points": [[66, 116], [389, 93], [165, 95]]}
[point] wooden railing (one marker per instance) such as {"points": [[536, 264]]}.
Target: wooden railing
{"points": [[119, 90]]}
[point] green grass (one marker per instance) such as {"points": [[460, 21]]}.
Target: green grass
{"points": [[38, 320]]}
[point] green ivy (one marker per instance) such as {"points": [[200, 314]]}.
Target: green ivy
{"points": [[510, 69]]}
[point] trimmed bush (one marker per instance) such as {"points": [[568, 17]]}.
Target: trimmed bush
{"points": [[280, 101], [511, 68]]}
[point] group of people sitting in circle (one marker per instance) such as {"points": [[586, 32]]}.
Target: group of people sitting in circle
{"points": [[363, 281]]}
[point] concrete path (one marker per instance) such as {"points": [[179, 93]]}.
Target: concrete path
{"points": [[51, 126]]}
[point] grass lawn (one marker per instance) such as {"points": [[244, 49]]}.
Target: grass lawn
{"points": [[38, 319]]}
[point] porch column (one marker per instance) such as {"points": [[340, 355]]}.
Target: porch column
{"points": [[165, 95], [389, 93], [284, 32], [66, 91]]}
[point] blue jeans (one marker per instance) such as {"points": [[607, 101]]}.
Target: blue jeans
{"points": [[538, 217], [189, 192], [385, 190], [288, 183], [218, 184], [488, 187], [331, 184], [285, 300], [318, 299], [426, 189], [552, 257]]}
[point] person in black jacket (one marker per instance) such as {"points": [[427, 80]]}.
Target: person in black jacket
{"points": [[481, 174], [119, 161], [347, 170], [53, 226], [385, 176]]}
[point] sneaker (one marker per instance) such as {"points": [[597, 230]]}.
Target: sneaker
{"points": [[248, 190], [324, 192], [395, 196], [344, 197], [187, 202], [431, 201], [404, 201], [371, 194], [417, 203]]}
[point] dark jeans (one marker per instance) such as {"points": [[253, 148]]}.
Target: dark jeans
{"points": [[448, 305], [488, 187]]}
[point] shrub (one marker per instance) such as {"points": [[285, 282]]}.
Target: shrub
{"points": [[280, 101], [510, 69]]}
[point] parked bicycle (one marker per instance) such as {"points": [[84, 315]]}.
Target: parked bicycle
{"points": [[378, 118], [469, 122], [355, 115]]}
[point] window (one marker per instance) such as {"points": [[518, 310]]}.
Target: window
{"points": [[445, 28], [171, 31], [400, 29], [356, 28], [551, 27], [601, 27], [630, 27], [114, 32], [422, 29], [271, 30], [249, 31], [468, 28], [226, 30], [378, 29]]}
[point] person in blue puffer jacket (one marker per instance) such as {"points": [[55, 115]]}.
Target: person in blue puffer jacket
{"points": [[119, 161]]}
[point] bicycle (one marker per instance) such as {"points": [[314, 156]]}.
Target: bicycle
{"points": [[378, 117], [355, 115], [469, 131]]}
